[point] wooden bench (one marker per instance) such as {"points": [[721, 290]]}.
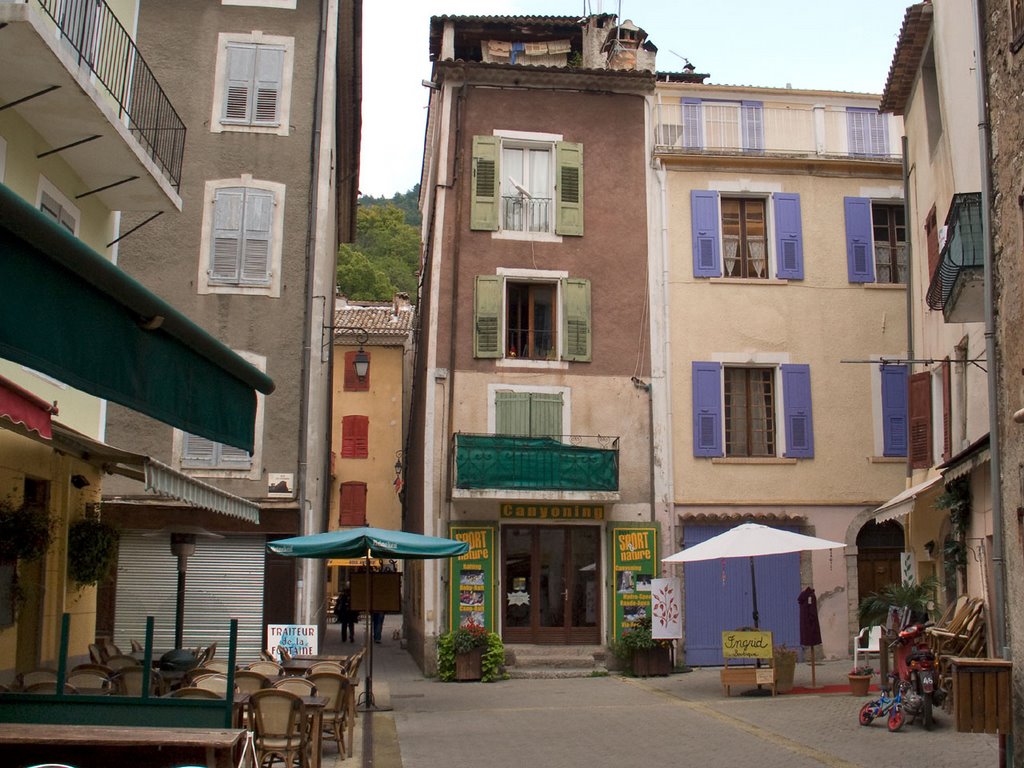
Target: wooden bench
{"points": [[93, 746]]}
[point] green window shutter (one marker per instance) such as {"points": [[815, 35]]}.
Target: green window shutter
{"points": [[512, 413], [576, 319], [545, 414], [483, 212], [267, 87], [487, 317], [569, 189], [225, 260], [241, 68], [259, 217]]}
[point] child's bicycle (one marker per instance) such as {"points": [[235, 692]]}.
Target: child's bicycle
{"points": [[887, 704]]}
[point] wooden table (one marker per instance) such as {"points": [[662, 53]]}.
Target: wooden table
{"points": [[93, 746]]}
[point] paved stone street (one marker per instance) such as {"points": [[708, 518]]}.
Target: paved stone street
{"points": [[684, 719]]}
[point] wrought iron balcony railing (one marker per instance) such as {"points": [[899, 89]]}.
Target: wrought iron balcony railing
{"points": [[103, 45], [567, 463], [963, 250]]}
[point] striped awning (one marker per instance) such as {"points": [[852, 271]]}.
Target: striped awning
{"points": [[159, 479], [900, 505], [22, 408]]}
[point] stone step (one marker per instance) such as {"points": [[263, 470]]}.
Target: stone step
{"points": [[553, 661]]}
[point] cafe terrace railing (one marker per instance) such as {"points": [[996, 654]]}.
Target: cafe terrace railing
{"points": [[148, 709], [566, 463], [104, 46]]}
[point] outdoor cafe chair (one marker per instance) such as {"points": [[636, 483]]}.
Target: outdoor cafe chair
{"points": [[279, 727], [248, 681], [42, 675], [268, 668], [136, 646], [191, 692], [90, 667], [325, 666], [120, 662], [129, 681], [267, 656], [216, 682], [336, 717], [300, 686], [89, 680], [216, 665], [96, 655], [48, 686]]}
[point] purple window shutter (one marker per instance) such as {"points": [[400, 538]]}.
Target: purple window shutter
{"points": [[707, 409], [704, 208], [789, 241], [753, 125], [796, 404], [860, 262], [692, 131], [894, 410]]}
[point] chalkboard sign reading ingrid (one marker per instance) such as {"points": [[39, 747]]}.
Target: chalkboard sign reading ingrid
{"points": [[747, 644]]}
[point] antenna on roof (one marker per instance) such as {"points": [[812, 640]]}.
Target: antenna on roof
{"points": [[686, 60]]}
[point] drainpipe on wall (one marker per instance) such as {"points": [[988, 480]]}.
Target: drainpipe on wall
{"points": [[910, 271]]}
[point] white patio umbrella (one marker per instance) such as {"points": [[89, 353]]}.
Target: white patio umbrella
{"points": [[751, 540]]}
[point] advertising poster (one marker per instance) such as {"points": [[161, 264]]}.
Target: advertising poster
{"points": [[666, 610], [634, 565], [298, 639], [472, 577]]}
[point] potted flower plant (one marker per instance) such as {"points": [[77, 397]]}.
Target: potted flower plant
{"points": [[860, 680], [471, 652], [645, 656]]}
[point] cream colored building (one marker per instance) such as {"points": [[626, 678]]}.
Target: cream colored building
{"points": [[781, 267], [932, 84]]}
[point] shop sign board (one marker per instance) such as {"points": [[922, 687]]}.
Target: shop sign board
{"points": [[472, 579], [747, 644], [634, 565], [532, 511], [298, 639]]}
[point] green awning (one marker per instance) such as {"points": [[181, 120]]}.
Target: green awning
{"points": [[70, 313]]}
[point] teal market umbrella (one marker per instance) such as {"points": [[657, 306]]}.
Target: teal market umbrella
{"points": [[369, 543]]}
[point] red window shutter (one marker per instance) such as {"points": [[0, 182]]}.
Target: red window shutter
{"points": [[352, 382], [931, 231], [352, 505], [920, 420], [355, 442]]}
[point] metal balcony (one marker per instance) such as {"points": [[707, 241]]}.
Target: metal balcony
{"points": [[958, 284], [74, 74], [568, 463]]}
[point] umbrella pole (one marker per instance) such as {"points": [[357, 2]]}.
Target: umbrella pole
{"points": [[369, 704], [760, 690]]}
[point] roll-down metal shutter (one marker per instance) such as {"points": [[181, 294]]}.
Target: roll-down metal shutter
{"points": [[224, 581]]}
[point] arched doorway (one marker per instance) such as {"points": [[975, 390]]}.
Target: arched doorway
{"points": [[879, 546]]}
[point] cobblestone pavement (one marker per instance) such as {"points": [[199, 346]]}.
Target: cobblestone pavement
{"points": [[683, 719]]}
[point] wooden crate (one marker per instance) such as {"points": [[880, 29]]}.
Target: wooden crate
{"points": [[982, 695]]}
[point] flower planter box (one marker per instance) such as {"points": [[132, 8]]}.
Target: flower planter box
{"points": [[652, 662], [469, 665]]}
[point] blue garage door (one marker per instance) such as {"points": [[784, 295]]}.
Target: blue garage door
{"points": [[718, 598]]}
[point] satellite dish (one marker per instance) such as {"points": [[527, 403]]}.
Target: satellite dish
{"points": [[518, 186]]}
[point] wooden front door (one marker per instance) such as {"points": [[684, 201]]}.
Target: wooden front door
{"points": [[550, 584]]}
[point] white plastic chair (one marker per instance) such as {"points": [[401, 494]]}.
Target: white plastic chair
{"points": [[873, 645]]}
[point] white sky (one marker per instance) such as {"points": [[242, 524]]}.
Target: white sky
{"points": [[811, 44]]}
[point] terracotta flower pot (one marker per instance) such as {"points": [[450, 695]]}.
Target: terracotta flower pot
{"points": [[859, 684]]}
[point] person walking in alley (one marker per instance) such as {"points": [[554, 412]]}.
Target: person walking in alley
{"points": [[347, 618]]}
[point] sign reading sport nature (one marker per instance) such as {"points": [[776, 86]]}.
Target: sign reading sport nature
{"points": [[634, 564], [472, 577]]}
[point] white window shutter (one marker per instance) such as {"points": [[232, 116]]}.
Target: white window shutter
{"points": [[259, 217], [232, 457], [238, 93], [269, 73], [225, 260], [198, 451]]}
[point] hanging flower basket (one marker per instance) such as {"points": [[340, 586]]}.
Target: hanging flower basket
{"points": [[92, 550], [25, 531]]}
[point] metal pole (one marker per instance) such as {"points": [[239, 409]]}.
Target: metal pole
{"points": [[179, 613]]}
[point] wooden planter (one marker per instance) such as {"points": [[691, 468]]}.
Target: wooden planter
{"points": [[652, 662], [469, 665], [859, 684]]}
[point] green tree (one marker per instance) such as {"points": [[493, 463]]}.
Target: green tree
{"points": [[388, 251]]}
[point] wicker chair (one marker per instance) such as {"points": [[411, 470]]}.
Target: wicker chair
{"points": [[90, 680], [129, 681], [215, 681], [191, 692], [337, 715], [268, 668], [117, 663], [326, 666], [279, 727], [300, 686]]}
